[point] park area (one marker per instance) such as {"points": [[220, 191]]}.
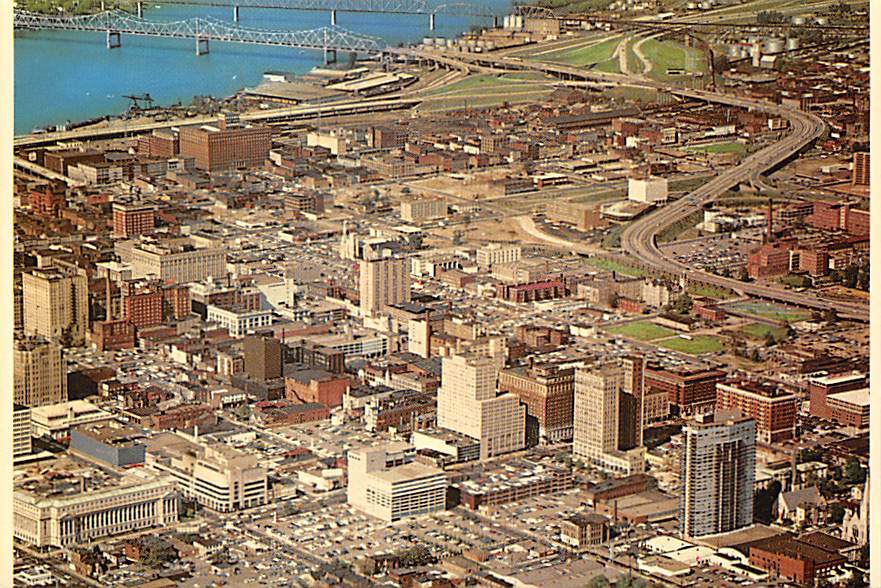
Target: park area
{"points": [[770, 310], [762, 330], [696, 345], [616, 266], [642, 330]]}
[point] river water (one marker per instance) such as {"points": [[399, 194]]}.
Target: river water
{"points": [[65, 75]]}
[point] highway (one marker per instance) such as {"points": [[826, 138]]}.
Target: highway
{"points": [[638, 239]]}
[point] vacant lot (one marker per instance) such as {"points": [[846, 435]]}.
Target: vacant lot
{"points": [[642, 330], [731, 147], [587, 55], [697, 345]]}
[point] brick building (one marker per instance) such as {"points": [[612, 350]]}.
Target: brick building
{"points": [[691, 390], [797, 561], [130, 220], [773, 410], [47, 199], [769, 260], [545, 290], [229, 145], [861, 167], [316, 386], [819, 389], [548, 393]]}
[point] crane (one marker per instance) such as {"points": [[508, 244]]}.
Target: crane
{"points": [[137, 100]]}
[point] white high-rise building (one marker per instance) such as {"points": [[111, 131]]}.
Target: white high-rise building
{"points": [[56, 304], [385, 482], [717, 474], [468, 402], [595, 423]]}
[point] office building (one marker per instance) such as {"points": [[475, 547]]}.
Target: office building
{"points": [[21, 430], [175, 260], [631, 419], [690, 390], [468, 403], [773, 409], [75, 512], [239, 321], [56, 304], [648, 190], [717, 474], [133, 219], [820, 388], [860, 172], [596, 421], [55, 421], [385, 483], [548, 392], [216, 475], [263, 358], [228, 145], [420, 209], [496, 254], [39, 372], [382, 282]]}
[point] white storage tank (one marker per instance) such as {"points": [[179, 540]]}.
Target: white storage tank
{"points": [[798, 20], [774, 45], [792, 44], [822, 21]]}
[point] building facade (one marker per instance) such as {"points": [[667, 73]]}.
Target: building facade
{"points": [[548, 393], [773, 410], [717, 474], [39, 372], [382, 282], [56, 304], [468, 403]]}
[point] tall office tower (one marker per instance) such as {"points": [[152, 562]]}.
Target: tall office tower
{"points": [[596, 421], [56, 304], [383, 281], [631, 419], [860, 172], [468, 403], [263, 357], [39, 373], [717, 474], [548, 392]]}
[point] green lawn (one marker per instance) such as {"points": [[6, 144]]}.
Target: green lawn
{"points": [[642, 330], [730, 147], [664, 55], [697, 345], [615, 266], [761, 330], [482, 83], [709, 291], [586, 55], [773, 311]]}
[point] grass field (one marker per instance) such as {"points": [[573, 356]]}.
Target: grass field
{"points": [[697, 345], [761, 330], [642, 330], [770, 310], [614, 266], [666, 55], [730, 147], [709, 291], [587, 55], [488, 84]]}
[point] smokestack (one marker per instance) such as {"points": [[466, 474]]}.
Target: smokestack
{"points": [[109, 300], [770, 219]]}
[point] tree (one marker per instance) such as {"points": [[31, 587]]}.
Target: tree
{"points": [[836, 513], [754, 355], [830, 315], [770, 341], [598, 582], [743, 275], [854, 472]]}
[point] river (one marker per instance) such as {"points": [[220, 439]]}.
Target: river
{"points": [[69, 76]]}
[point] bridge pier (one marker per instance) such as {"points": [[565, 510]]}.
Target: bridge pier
{"points": [[495, 21], [140, 10], [235, 13], [102, 6], [114, 41], [333, 18], [431, 23], [201, 46], [329, 56]]}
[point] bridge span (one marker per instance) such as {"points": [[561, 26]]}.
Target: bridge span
{"points": [[115, 23]]}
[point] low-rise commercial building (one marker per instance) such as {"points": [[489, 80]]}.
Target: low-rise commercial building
{"points": [[216, 475], [385, 483]]}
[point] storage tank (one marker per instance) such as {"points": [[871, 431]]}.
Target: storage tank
{"points": [[691, 6], [774, 45], [792, 44], [798, 20], [822, 21]]}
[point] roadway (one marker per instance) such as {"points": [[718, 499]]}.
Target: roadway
{"points": [[639, 238]]}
